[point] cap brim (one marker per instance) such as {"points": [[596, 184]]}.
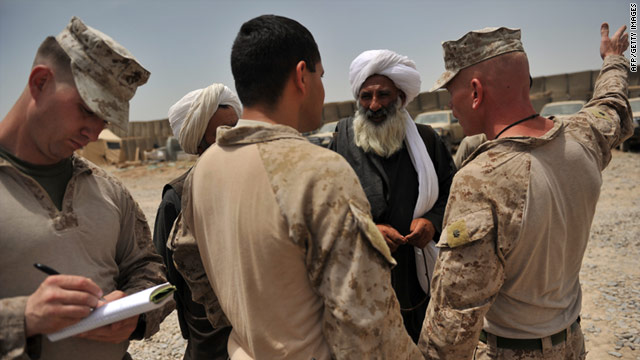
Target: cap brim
{"points": [[443, 80], [101, 101]]}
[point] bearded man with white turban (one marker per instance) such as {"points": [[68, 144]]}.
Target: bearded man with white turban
{"points": [[405, 170], [194, 120]]}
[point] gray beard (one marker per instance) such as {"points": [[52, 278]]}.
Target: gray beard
{"points": [[384, 138]]}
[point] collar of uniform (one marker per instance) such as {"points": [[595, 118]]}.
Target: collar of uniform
{"points": [[250, 132], [519, 142], [81, 165]]}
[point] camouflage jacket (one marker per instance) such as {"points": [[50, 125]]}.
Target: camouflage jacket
{"points": [[276, 237], [517, 225], [101, 233]]}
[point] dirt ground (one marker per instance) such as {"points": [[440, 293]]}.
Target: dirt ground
{"points": [[610, 273]]}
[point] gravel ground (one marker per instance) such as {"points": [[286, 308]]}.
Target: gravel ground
{"points": [[610, 273]]}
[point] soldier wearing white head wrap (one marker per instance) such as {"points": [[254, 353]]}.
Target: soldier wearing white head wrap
{"points": [[194, 120], [393, 159], [190, 116]]}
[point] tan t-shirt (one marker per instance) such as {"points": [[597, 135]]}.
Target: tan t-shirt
{"points": [[290, 252]]}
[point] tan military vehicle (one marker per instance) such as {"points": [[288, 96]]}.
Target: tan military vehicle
{"points": [[445, 124], [323, 135], [635, 138], [562, 108]]}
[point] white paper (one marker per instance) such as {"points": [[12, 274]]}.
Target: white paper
{"points": [[114, 311]]}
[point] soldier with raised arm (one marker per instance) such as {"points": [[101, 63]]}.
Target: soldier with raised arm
{"points": [[517, 223]]}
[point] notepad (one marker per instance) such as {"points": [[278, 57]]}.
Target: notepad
{"points": [[123, 308]]}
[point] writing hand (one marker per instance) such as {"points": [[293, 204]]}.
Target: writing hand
{"points": [[60, 301]]}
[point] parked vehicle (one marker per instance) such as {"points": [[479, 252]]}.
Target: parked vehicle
{"points": [[635, 138], [323, 135], [562, 108], [445, 124]]}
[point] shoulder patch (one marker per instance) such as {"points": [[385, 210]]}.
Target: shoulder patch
{"points": [[457, 234], [598, 113]]}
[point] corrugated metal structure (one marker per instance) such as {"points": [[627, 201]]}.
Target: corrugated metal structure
{"points": [[143, 136]]}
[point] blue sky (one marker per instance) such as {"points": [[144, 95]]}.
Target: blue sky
{"points": [[186, 44]]}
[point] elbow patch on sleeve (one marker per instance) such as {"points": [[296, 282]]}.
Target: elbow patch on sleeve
{"points": [[468, 228]]}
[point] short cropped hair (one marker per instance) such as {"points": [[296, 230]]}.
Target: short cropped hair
{"points": [[52, 54], [264, 54]]}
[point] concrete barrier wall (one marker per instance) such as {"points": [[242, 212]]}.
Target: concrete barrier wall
{"points": [[145, 135], [428, 101], [580, 85], [545, 89], [557, 87], [346, 108], [634, 84]]}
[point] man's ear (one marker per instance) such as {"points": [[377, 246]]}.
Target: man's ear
{"points": [[478, 93], [403, 96], [300, 76], [39, 77]]}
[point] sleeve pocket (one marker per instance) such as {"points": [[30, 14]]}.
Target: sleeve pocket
{"points": [[467, 229]]}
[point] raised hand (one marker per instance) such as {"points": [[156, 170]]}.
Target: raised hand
{"points": [[615, 45]]}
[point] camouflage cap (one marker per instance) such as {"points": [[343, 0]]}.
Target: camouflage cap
{"points": [[474, 47], [106, 74]]}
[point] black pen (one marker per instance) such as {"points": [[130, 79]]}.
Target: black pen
{"points": [[50, 271], [45, 269]]}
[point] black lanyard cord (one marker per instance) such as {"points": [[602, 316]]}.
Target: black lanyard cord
{"points": [[516, 123]]}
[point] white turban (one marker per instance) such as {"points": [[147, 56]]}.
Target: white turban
{"points": [[190, 116], [398, 68]]}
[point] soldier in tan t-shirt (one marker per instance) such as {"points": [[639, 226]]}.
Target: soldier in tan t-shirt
{"points": [[517, 222], [281, 245]]}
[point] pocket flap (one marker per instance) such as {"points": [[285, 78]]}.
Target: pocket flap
{"points": [[467, 228], [371, 232]]}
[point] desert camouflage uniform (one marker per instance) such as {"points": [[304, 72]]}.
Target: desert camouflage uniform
{"points": [[287, 251], [516, 232], [468, 145], [101, 233]]}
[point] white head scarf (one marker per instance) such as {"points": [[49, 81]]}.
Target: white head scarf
{"points": [[404, 75], [189, 117], [396, 67]]}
